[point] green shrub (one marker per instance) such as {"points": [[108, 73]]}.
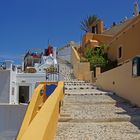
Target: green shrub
{"points": [[98, 57]]}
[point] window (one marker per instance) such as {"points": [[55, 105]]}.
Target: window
{"points": [[95, 29], [120, 52]]}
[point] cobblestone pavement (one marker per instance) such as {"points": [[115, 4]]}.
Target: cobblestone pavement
{"points": [[91, 114]]}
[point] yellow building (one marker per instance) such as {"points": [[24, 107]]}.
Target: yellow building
{"points": [[122, 39], [126, 43]]}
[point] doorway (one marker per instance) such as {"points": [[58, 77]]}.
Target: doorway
{"points": [[23, 94]]}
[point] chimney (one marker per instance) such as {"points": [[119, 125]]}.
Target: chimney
{"points": [[136, 9], [100, 26]]}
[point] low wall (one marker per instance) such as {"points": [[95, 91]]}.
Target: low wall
{"points": [[120, 81], [81, 69], [11, 117]]}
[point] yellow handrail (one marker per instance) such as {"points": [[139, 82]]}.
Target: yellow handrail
{"points": [[42, 115]]}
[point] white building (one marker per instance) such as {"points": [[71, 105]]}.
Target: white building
{"points": [[18, 83]]}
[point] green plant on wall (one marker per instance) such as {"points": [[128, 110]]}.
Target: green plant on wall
{"points": [[97, 56], [97, 61], [89, 53]]}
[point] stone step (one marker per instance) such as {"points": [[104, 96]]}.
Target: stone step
{"points": [[91, 114], [79, 87], [75, 82], [93, 99], [100, 112], [87, 92], [125, 119], [78, 83], [98, 131]]}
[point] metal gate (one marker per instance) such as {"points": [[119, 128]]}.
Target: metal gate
{"points": [[52, 73]]}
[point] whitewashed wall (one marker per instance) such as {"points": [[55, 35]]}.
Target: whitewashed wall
{"points": [[4, 86], [12, 87], [28, 79]]}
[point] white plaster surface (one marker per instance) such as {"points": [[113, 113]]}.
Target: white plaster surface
{"points": [[4, 86]]}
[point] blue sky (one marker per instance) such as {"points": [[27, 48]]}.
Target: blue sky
{"points": [[26, 24]]}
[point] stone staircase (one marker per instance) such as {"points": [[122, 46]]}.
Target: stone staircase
{"points": [[91, 114]]}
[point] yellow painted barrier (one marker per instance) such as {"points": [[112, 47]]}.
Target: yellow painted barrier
{"points": [[81, 69], [41, 118]]}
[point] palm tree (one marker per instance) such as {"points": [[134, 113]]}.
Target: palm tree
{"points": [[86, 24]]}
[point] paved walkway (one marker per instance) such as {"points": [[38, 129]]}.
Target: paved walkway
{"points": [[91, 114]]}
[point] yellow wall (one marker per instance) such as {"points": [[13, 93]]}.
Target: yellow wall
{"points": [[92, 44], [43, 124], [88, 36], [81, 69], [97, 40], [100, 26], [120, 80], [103, 39], [129, 39], [98, 71]]}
